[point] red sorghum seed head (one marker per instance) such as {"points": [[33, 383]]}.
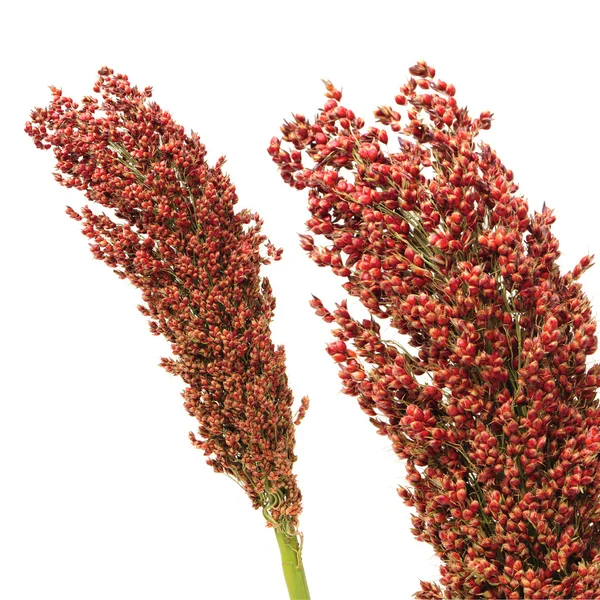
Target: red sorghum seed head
{"points": [[171, 229], [495, 407]]}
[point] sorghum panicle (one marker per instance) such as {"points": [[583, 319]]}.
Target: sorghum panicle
{"points": [[172, 231], [495, 411]]}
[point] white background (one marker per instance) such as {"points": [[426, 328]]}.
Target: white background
{"points": [[103, 497]]}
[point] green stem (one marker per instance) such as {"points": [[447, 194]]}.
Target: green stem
{"points": [[293, 569]]}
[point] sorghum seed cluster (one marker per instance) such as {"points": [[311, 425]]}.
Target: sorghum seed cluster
{"points": [[173, 232], [495, 410]]}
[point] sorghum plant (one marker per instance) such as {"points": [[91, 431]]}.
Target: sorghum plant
{"points": [[172, 231], [495, 410]]}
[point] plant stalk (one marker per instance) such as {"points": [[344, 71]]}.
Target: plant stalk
{"points": [[293, 569]]}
